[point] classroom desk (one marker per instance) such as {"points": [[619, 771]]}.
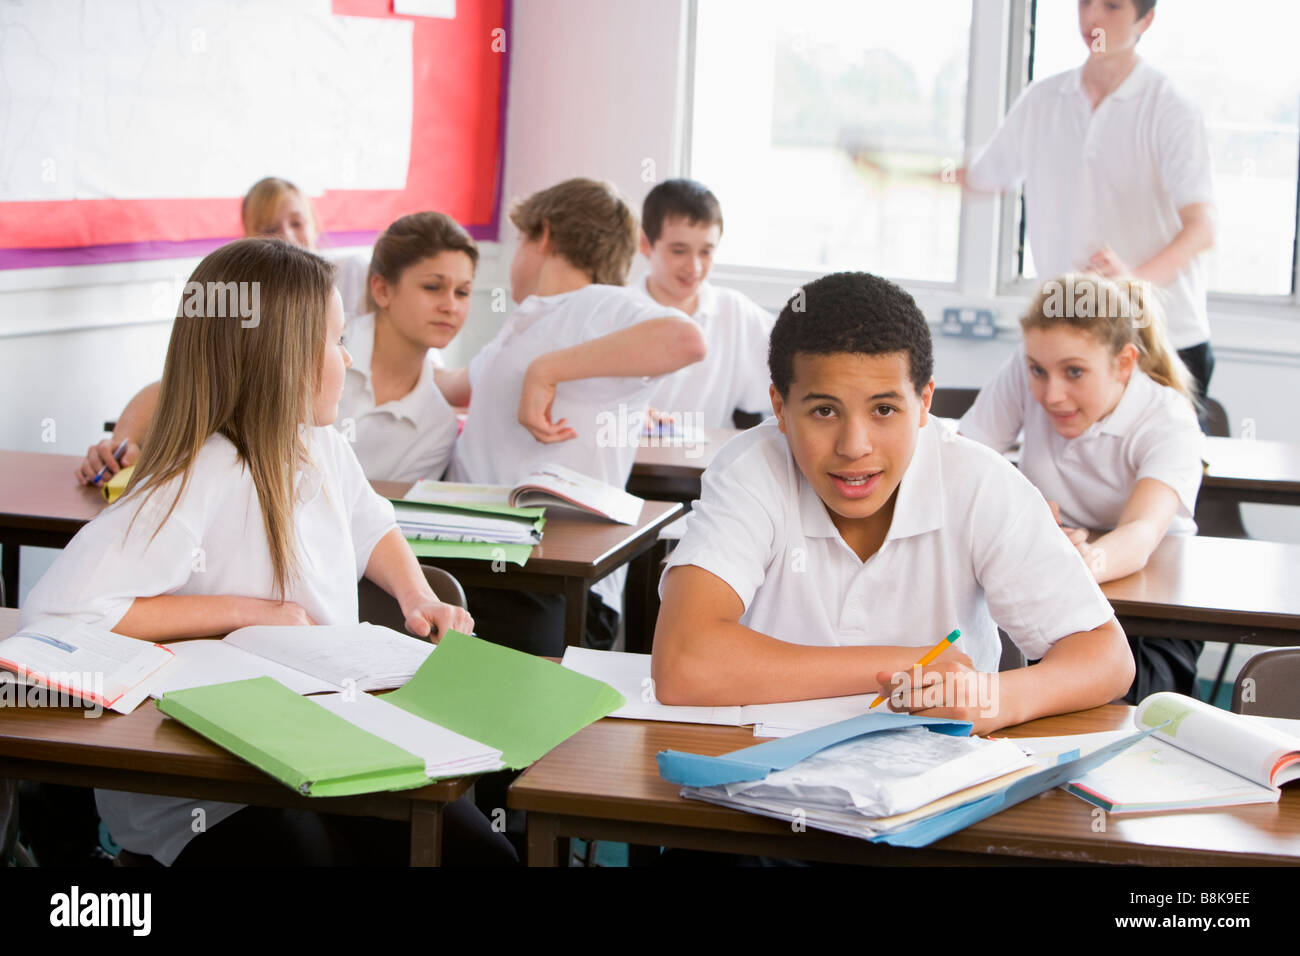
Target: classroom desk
{"points": [[1251, 471], [42, 505], [1213, 589], [143, 752], [670, 472], [603, 784]]}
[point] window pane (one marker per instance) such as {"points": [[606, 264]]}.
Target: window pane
{"points": [[823, 128], [1237, 63]]}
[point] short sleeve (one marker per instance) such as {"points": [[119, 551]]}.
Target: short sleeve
{"points": [[731, 531], [370, 516], [1184, 154], [1000, 165], [1035, 583], [1172, 454], [615, 308], [998, 413], [114, 559]]}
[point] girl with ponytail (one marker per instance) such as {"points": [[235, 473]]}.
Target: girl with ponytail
{"points": [[1110, 434]]}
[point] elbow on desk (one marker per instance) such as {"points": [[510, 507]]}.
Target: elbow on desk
{"points": [[677, 680]]}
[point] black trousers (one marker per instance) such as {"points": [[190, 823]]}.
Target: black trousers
{"points": [[267, 836], [534, 623], [1199, 360], [1163, 663]]}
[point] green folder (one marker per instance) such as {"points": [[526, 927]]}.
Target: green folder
{"points": [[298, 742], [477, 550], [519, 704]]}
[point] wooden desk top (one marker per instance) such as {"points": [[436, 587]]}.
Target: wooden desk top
{"points": [[40, 492], [1216, 581], [1252, 465], [669, 460], [608, 771], [147, 743]]}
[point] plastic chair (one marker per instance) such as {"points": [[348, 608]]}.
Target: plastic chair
{"points": [[952, 402], [376, 606], [1267, 684], [1219, 519]]}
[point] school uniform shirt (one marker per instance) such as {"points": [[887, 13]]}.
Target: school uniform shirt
{"points": [[608, 413], [1117, 175], [971, 543], [734, 374], [1152, 433], [213, 543], [402, 440], [350, 275]]}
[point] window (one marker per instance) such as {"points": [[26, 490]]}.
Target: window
{"points": [[1237, 63], [825, 129]]}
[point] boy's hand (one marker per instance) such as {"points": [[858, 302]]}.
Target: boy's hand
{"points": [[535, 400], [101, 455], [433, 619], [1105, 261], [951, 688]]}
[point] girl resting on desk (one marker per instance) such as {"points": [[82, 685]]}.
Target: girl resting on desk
{"points": [[1110, 436], [245, 508]]}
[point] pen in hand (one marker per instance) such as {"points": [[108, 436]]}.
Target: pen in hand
{"points": [[927, 658], [117, 456]]}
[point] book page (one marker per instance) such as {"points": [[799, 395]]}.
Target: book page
{"points": [[205, 661], [579, 489], [364, 656], [1252, 750], [629, 674]]}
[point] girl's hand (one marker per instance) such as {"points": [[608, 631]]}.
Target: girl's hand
{"points": [[253, 611], [101, 455], [432, 619], [535, 400]]}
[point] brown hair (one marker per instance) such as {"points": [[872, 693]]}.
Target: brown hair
{"points": [[412, 238], [589, 224], [1114, 312], [254, 383], [263, 200]]}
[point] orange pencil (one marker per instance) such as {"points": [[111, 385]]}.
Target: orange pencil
{"points": [[928, 658]]}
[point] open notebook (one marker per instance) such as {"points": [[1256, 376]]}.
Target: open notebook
{"points": [[629, 674]]}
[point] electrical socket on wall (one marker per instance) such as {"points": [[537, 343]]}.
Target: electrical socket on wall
{"points": [[968, 323]]}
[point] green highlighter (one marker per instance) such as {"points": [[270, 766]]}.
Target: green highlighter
{"points": [[294, 739]]}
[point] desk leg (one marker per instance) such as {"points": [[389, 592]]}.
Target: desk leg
{"points": [[426, 834], [10, 572], [542, 840], [575, 610], [641, 598]]}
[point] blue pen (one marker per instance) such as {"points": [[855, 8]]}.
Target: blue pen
{"points": [[117, 456]]}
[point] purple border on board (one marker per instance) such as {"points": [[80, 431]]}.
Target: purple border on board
{"points": [[193, 248]]}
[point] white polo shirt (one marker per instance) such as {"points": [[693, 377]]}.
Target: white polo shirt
{"points": [[402, 440], [605, 412], [734, 374], [971, 543], [214, 543], [350, 274], [1152, 433], [1117, 175]]}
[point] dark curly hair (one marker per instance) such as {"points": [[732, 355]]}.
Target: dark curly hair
{"points": [[853, 312]]}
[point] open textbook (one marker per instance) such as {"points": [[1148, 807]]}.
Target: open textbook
{"points": [[1203, 757], [629, 674], [548, 486], [85, 663]]}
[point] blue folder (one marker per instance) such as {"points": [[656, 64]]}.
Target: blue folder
{"points": [[755, 763]]}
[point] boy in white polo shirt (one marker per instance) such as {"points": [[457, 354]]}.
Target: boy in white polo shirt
{"points": [[578, 352], [1117, 174], [681, 224], [832, 547]]}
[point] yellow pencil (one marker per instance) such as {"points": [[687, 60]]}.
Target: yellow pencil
{"points": [[929, 657]]}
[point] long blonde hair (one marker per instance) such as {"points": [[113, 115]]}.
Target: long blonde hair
{"points": [[1116, 313], [263, 200], [253, 380]]}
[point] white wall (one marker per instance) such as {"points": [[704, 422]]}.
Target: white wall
{"points": [[596, 89]]}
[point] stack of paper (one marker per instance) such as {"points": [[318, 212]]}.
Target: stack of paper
{"points": [[446, 520]]}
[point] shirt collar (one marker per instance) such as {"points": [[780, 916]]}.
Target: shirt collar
{"points": [[360, 342], [1137, 394], [917, 509], [706, 306], [1133, 84]]}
